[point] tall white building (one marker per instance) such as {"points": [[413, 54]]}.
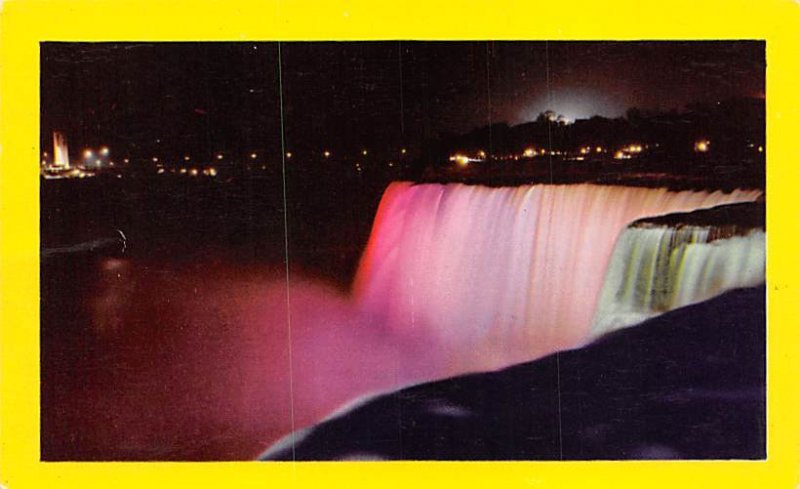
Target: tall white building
{"points": [[60, 151]]}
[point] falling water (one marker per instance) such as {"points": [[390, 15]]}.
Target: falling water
{"points": [[501, 275], [657, 269]]}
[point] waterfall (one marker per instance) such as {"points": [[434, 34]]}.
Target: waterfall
{"points": [[503, 274], [657, 269]]}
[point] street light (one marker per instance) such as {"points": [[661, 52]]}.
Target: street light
{"points": [[702, 146]]}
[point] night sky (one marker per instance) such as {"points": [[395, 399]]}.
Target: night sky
{"points": [[199, 98]]}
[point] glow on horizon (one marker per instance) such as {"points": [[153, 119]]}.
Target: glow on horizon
{"points": [[573, 105]]}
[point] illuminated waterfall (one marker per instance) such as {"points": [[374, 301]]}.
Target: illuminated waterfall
{"points": [[657, 269], [502, 275]]}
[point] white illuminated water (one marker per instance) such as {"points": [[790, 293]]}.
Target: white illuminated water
{"points": [[654, 270], [502, 275]]}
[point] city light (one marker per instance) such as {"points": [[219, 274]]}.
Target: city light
{"points": [[702, 146], [219, 156], [288, 154], [193, 172], [88, 153], [364, 152], [529, 152], [104, 151], [599, 149], [462, 160], [403, 151], [253, 156], [326, 154], [186, 158], [126, 160]]}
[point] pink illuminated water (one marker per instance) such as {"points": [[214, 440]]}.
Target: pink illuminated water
{"points": [[501, 275]]}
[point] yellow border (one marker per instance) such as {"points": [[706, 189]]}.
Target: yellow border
{"points": [[26, 23]]}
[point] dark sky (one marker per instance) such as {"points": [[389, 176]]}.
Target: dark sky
{"points": [[204, 97]]}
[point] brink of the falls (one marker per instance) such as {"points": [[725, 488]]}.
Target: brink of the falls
{"points": [[497, 276]]}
